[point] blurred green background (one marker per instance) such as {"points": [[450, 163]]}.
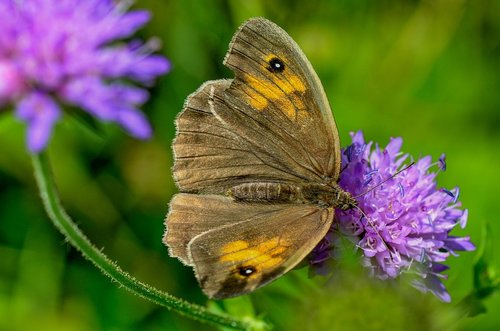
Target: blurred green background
{"points": [[428, 71]]}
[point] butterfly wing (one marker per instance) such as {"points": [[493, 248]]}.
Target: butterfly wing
{"points": [[277, 93], [272, 122], [265, 240], [264, 125], [210, 157]]}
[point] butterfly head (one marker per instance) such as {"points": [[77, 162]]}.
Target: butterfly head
{"points": [[345, 201]]}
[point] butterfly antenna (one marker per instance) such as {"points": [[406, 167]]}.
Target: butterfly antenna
{"points": [[370, 222], [385, 180]]}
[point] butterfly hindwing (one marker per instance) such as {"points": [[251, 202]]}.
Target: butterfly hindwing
{"points": [[191, 215], [236, 248]]}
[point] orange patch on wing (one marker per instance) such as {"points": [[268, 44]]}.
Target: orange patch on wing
{"points": [[234, 246], [282, 89], [263, 256]]}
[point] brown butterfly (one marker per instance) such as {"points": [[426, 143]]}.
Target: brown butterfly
{"points": [[257, 159]]}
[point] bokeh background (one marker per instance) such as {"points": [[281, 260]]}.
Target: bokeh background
{"points": [[428, 71]]}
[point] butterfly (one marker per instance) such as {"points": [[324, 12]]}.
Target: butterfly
{"points": [[257, 160]]}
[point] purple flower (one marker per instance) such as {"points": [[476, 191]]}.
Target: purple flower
{"points": [[68, 52], [404, 224]]}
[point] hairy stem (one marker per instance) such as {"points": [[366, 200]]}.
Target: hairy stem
{"points": [[75, 237]]}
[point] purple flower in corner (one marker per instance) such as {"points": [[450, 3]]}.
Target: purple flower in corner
{"points": [[407, 220], [68, 52]]}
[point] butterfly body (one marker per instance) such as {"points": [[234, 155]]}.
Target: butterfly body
{"points": [[325, 195], [257, 159]]}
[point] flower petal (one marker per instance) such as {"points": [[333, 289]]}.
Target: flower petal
{"points": [[129, 23], [40, 112], [394, 146], [459, 244], [11, 82], [148, 68], [463, 218], [135, 123]]}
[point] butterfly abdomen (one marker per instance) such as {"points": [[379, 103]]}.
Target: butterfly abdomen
{"points": [[320, 194], [265, 191]]}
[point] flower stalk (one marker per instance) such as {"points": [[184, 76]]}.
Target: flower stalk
{"points": [[62, 221]]}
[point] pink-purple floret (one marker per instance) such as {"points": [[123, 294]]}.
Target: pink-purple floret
{"points": [[70, 52], [407, 221]]}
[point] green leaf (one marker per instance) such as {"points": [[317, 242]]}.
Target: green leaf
{"points": [[472, 306], [242, 307], [485, 280], [239, 306]]}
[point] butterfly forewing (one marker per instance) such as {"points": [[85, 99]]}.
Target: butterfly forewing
{"points": [[211, 156], [283, 94]]}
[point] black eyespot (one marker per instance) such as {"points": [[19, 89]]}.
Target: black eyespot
{"points": [[276, 65], [246, 271]]}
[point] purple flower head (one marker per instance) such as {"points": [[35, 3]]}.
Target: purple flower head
{"points": [[402, 225], [68, 52]]}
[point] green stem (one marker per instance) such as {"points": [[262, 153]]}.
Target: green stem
{"points": [[69, 229]]}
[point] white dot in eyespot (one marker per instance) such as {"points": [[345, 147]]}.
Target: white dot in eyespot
{"points": [[276, 65], [246, 271]]}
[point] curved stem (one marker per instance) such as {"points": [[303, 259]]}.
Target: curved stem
{"points": [[75, 236]]}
